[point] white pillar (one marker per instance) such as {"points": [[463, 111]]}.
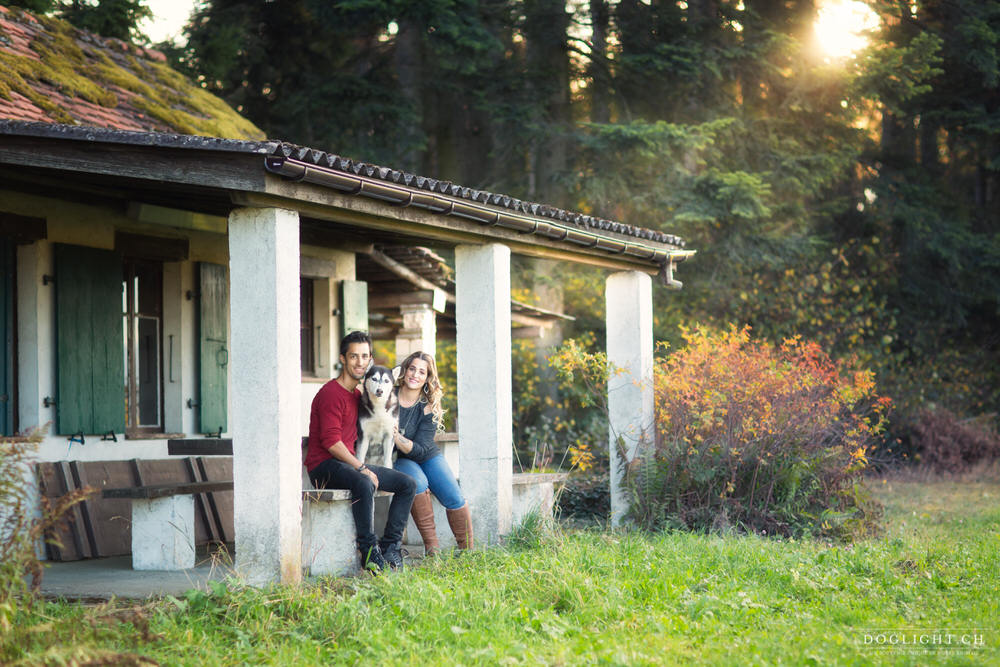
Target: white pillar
{"points": [[485, 422], [265, 376], [629, 298], [419, 332]]}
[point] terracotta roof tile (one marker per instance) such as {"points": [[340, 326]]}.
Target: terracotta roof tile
{"points": [[20, 107], [130, 94]]}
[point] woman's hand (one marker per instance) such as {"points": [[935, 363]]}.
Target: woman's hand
{"points": [[402, 444]]}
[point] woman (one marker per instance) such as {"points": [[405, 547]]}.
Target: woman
{"points": [[420, 413]]}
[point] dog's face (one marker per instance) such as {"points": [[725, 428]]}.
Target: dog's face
{"points": [[378, 382]]}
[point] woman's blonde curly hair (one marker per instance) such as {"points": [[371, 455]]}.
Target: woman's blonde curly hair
{"points": [[431, 393]]}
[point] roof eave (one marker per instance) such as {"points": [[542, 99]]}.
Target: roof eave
{"points": [[542, 231]]}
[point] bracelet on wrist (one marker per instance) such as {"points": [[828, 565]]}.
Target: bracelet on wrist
{"points": [[362, 467]]}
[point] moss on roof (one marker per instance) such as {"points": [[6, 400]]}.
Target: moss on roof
{"points": [[118, 77]]}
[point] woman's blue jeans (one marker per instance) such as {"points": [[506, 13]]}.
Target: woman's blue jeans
{"points": [[436, 475]]}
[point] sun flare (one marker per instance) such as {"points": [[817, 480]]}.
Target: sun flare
{"points": [[840, 27]]}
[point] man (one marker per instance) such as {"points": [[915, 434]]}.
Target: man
{"points": [[330, 459]]}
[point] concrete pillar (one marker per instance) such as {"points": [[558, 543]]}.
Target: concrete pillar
{"points": [[264, 389], [629, 298], [419, 332], [485, 430]]}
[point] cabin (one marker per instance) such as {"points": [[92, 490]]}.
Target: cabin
{"points": [[169, 292]]}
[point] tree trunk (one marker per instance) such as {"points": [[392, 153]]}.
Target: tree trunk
{"points": [[546, 25], [600, 76], [406, 59]]}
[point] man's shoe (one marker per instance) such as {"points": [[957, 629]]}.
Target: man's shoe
{"points": [[393, 555], [373, 560]]}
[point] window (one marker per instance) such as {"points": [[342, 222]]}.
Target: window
{"points": [[142, 320], [109, 334], [307, 329]]}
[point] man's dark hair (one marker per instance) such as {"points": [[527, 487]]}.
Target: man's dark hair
{"points": [[355, 337]]}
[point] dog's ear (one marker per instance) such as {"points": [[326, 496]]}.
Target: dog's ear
{"points": [[396, 372], [371, 362]]}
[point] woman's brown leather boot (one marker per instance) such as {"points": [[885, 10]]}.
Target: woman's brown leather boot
{"points": [[423, 515], [460, 521]]}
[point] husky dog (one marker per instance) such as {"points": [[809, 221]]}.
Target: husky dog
{"points": [[378, 413]]}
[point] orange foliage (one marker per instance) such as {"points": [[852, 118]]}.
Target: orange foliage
{"points": [[767, 438]]}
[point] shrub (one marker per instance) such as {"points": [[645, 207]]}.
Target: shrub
{"points": [[586, 497], [944, 443], [20, 528], [549, 434], [758, 438]]}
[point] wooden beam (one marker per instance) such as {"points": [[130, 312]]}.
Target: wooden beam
{"points": [[200, 446], [167, 490], [397, 299], [21, 228], [525, 332], [172, 217], [402, 271], [151, 247], [208, 168]]}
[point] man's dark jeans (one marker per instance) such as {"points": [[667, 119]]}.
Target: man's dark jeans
{"points": [[334, 474]]}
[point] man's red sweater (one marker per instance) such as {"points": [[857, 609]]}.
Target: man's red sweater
{"points": [[333, 417]]}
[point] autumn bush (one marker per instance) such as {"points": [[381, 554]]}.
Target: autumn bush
{"points": [[563, 432], [758, 438]]}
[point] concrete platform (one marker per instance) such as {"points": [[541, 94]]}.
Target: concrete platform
{"points": [[100, 579]]}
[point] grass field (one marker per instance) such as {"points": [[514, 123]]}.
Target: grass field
{"points": [[577, 597]]}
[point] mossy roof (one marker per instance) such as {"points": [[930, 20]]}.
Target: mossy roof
{"points": [[54, 73]]}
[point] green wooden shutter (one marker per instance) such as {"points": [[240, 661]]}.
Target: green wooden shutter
{"points": [[213, 357], [90, 346], [354, 306], [7, 403]]}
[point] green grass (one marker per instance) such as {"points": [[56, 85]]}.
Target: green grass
{"points": [[590, 597]]}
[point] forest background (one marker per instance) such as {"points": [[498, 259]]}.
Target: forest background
{"points": [[853, 201]]}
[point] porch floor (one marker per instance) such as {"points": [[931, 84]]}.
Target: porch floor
{"points": [[100, 579]]}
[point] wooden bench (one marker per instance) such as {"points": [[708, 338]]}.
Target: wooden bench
{"points": [[163, 528], [100, 526]]}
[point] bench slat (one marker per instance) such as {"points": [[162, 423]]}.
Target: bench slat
{"points": [[165, 490]]}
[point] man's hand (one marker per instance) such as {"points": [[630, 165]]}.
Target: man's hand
{"points": [[372, 476]]}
